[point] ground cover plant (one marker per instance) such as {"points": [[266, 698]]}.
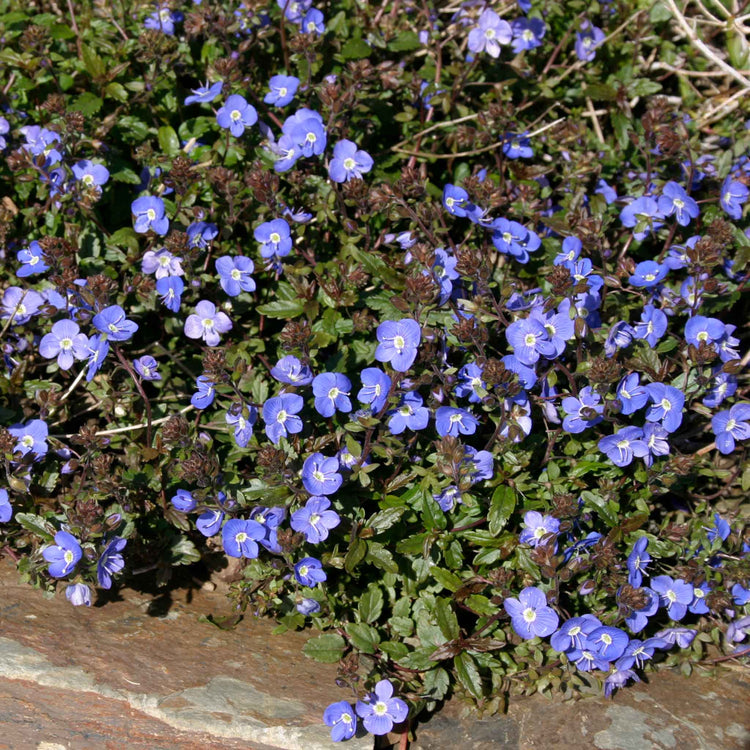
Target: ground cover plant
{"points": [[429, 319]]}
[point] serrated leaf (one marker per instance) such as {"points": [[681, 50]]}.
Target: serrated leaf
{"points": [[403, 626], [87, 103], [355, 49], [382, 558], [327, 648], [168, 140], [394, 649], [468, 674], [405, 42], [384, 519], [371, 604], [446, 618], [355, 554], [35, 524], [447, 579], [284, 309], [93, 63], [502, 505], [363, 637]]}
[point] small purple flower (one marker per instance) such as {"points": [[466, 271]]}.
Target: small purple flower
{"points": [[398, 343], [637, 562], [312, 23], [161, 263], [517, 146], [617, 678], [536, 527], [331, 391], [674, 200], [527, 34], [376, 386], [6, 509], [733, 195], [207, 323], [209, 522], [731, 425], [683, 637], [638, 652], [631, 394], [204, 396], [236, 115], [667, 404], [308, 606], [110, 562], [32, 437], [111, 321], [32, 259], [624, 445], [342, 720], [204, 94], [456, 200], [234, 274], [146, 367], [348, 162], [530, 340], [643, 215], [470, 383], [275, 238], [279, 414], [674, 594], [452, 421], [648, 273], [608, 642], [90, 174], [582, 412], [66, 343], [587, 40], [163, 19], [409, 413], [283, 88], [309, 135], [64, 555], [78, 594], [720, 530], [652, 326], [240, 538], [242, 418], [149, 215], [291, 371], [170, 290], [700, 329], [184, 501], [314, 520], [320, 474], [530, 615], [489, 34], [98, 350], [572, 634], [637, 619], [657, 442], [309, 572], [380, 711]]}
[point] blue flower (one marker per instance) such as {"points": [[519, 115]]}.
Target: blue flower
{"points": [[314, 520], [163, 19], [283, 89], [517, 146], [489, 34], [64, 555], [733, 195], [348, 162], [342, 720], [398, 343], [620, 336], [656, 439], [648, 273], [98, 350], [637, 619], [731, 425], [376, 386], [409, 413], [667, 404], [530, 615], [184, 501], [78, 594], [6, 509], [234, 274], [571, 250], [674, 200], [380, 710], [209, 522], [527, 34], [608, 642], [240, 538], [331, 391], [66, 343], [582, 412], [530, 340], [448, 498], [204, 396], [200, 233], [683, 637], [275, 238], [631, 394], [170, 290], [161, 263], [204, 94], [720, 530], [146, 367], [279, 414], [452, 421], [536, 527], [309, 136], [149, 215], [700, 329], [309, 572], [312, 23], [288, 151], [32, 258], [32, 437], [308, 606], [674, 594], [110, 562], [320, 474], [638, 652], [642, 214], [242, 418], [572, 633], [624, 445], [652, 326], [90, 174], [236, 115], [470, 383], [456, 200], [291, 371], [698, 606], [587, 40], [112, 322], [207, 323]]}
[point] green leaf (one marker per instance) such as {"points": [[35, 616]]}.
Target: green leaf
{"points": [[371, 604], [419, 659], [468, 674], [168, 140], [481, 605], [35, 524], [355, 554], [282, 309], [327, 648], [402, 626], [355, 49], [382, 558], [117, 91], [502, 505], [363, 637], [183, 552], [405, 42], [446, 618], [93, 63], [447, 579], [87, 103]]}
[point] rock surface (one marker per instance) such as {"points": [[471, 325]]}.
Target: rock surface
{"points": [[144, 672]]}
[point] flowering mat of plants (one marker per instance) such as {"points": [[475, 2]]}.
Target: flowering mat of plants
{"points": [[422, 324]]}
